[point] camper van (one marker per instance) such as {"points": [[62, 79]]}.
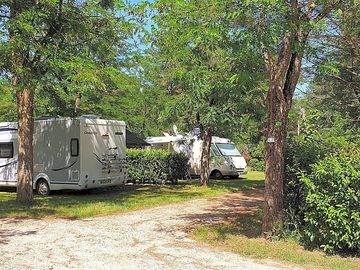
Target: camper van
{"points": [[69, 153], [226, 160]]}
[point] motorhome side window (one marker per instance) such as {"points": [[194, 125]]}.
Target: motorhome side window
{"points": [[74, 147], [6, 150]]}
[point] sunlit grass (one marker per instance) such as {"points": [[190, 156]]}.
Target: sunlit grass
{"points": [[132, 197], [243, 237]]}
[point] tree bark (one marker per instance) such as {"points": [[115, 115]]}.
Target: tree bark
{"points": [[284, 77], [274, 160], [25, 99], [205, 157]]}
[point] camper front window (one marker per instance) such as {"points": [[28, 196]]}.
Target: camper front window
{"points": [[228, 149], [215, 150], [6, 150]]}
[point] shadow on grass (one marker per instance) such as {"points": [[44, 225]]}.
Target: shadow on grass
{"points": [[80, 204], [77, 204], [247, 224], [237, 184]]}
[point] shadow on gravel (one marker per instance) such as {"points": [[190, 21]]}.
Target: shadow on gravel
{"points": [[5, 235], [242, 210]]}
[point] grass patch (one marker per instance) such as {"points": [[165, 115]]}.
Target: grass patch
{"points": [[243, 237], [133, 197]]}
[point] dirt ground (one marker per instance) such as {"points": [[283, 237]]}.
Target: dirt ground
{"points": [[152, 239]]}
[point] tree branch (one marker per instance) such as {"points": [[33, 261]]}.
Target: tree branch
{"points": [[327, 9]]}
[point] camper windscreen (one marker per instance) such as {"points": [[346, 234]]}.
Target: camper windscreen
{"points": [[228, 149], [6, 150]]}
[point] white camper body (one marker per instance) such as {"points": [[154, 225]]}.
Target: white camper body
{"points": [[226, 160], [81, 153]]}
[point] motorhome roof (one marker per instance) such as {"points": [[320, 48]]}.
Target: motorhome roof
{"points": [[14, 125], [164, 139], [220, 140], [102, 122]]}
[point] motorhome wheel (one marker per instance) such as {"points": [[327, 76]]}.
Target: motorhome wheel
{"points": [[42, 188], [217, 175]]}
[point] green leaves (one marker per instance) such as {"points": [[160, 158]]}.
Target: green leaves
{"points": [[205, 61], [156, 166], [8, 110], [332, 202], [66, 47]]}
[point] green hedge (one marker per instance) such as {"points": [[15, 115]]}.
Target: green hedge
{"points": [[332, 208], [155, 166]]}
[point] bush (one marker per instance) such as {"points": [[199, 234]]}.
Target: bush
{"points": [[156, 166], [320, 136], [332, 209], [257, 165]]}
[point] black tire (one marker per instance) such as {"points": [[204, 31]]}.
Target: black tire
{"points": [[42, 188], [217, 175]]}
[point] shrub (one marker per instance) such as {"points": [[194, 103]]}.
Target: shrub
{"points": [[332, 209], [155, 166], [257, 165], [320, 136]]}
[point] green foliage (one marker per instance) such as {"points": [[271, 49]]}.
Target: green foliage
{"points": [[156, 166], [8, 110], [321, 134], [336, 84], [331, 212], [210, 69], [60, 48], [257, 165]]}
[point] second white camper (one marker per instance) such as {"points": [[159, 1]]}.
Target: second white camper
{"points": [[226, 160], [81, 153]]}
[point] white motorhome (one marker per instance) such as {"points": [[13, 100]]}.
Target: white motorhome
{"points": [[69, 153], [226, 160]]}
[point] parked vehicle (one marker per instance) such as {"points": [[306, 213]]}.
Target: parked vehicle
{"points": [[226, 160], [80, 153]]}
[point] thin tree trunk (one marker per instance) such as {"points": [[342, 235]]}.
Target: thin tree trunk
{"points": [[25, 100], [205, 158]]}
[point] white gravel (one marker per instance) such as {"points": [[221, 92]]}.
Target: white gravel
{"points": [[152, 239]]}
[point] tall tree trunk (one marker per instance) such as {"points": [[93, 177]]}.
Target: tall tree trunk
{"points": [[274, 157], [205, 157], [25, 99], [284, 77]]}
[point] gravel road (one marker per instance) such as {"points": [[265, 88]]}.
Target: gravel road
{"points": [[152, 239]]}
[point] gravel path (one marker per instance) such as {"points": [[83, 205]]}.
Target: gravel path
{"points": [[152, 239]]}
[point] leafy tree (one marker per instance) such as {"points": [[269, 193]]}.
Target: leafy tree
{"points": [[282, 30], [209, 71], [336, 83], [55, 48]]}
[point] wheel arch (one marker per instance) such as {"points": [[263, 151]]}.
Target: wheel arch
{"points": [[214, 171], [39, 177]]}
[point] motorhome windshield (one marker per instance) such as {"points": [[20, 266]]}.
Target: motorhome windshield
{"points": [[228, 149]]}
